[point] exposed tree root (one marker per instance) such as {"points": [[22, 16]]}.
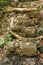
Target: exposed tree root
{"points": [[21, 9], [20, 37]]}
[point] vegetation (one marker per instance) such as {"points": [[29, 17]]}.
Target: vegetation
{"points": [[21, 30], [7, 38], [3, 2]]}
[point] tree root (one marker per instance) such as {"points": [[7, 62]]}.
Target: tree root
{"points": [[20, 9], [21, 38]]}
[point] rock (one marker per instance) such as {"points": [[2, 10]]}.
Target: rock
{"points": [[30, 31], [41, 13]]}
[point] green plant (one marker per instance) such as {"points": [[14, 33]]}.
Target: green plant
{"points": [[7, 38], [1, 42], [2, 2]]}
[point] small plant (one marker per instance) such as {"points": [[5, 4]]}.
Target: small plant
{"points": [[7, 38], [1, 42], [2, 2]]}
